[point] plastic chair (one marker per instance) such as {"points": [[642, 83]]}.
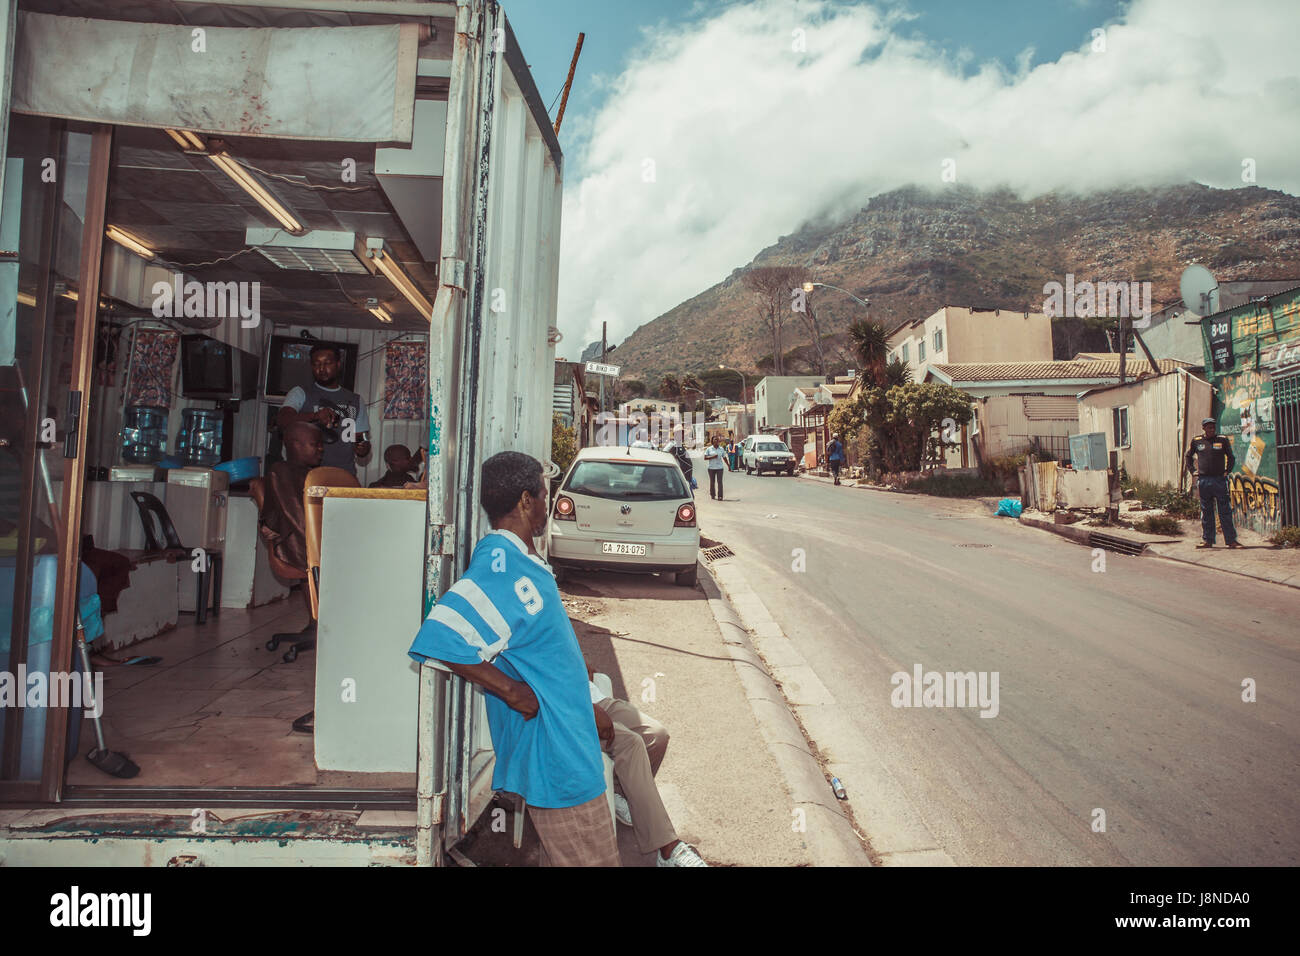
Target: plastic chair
{"points": [[156, 521]]}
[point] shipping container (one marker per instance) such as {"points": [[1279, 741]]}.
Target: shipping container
{"points": [[384, 180]]}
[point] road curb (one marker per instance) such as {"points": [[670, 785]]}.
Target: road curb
{"points": [[829, 834], [1081, 536]]}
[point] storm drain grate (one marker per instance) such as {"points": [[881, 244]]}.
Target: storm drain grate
{"points": [[1111, 543], [721, 551], [974, 545]]}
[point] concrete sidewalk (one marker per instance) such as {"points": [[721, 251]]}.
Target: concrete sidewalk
{"points": [[1257, 558], [726, 793]]}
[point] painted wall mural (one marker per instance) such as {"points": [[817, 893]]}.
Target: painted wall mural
{"points": [[1256, 503]]}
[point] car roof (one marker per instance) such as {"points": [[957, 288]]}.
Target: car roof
{"points": [[617, 454]]}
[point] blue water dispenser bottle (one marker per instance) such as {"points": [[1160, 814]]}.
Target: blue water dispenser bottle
{"points": [[144, 434], [199, 441]]}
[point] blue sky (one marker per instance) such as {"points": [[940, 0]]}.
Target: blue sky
{"points": [[982, 30], [699, 133]]}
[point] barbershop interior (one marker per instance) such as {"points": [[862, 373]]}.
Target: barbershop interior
{"points": [[224, 266]]}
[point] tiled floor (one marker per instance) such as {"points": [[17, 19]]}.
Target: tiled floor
{"points": [[217, 710]]}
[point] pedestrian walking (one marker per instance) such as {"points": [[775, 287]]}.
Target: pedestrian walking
{"points": [[732, 451], [1210, 460], [677, 448], [835, 456], [713, 455]]}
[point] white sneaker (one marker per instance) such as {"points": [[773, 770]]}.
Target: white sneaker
{"points": [[622, 811], [683, 855]]}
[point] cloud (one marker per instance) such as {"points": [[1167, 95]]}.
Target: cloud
{"points": [[723, 134]]}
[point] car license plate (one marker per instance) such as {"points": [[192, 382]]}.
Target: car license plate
{"points": [[617, 547]]}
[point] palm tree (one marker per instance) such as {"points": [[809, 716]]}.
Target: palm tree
{"points": [[670, 387], [896, 373], [869, 341]]}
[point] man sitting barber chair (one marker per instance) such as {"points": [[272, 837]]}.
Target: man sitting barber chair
{"points": [[290, 525], [282, 523]]}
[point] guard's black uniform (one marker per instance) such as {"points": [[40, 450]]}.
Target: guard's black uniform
{"points": [[1212, 460], [1211, 457]]}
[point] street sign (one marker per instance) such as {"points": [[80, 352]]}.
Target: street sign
{"points": [[595, 368]]}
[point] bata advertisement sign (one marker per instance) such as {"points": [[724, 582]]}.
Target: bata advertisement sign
{"points": [[1221, 344]]}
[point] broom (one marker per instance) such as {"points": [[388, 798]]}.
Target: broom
{"points": [[109, 761]]}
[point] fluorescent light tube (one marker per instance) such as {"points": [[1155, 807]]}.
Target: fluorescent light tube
{"points": [[394, 274], [247, 182], [128, 241]]}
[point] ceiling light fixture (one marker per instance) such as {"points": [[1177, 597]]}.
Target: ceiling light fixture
{"points": [[393, 273], [221, 158], [187, 140], [128, 241], [246, 181], [380, 313], [321, 250]]}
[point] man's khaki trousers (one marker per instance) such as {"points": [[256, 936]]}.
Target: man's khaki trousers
{"points": [[640, 742]]}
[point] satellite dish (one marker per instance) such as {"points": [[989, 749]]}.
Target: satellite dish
{"points": [[1200, 290]]}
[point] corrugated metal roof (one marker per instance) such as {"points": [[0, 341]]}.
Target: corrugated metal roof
{"points": [[1050, 408], [1051, 371]]}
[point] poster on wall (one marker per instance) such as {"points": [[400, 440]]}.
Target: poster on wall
{"points": [[9, 215], [1221, 344]]}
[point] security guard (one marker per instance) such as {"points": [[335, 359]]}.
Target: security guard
{"points": [[1210, 460]]}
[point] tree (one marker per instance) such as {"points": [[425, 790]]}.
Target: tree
{"points": [[670, 388], [564, 444], [904, 418], [815, 331], [634, 388], [721, 381], [772, 286], [870, 344]]}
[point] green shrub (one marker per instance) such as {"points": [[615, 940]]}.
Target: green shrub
{"points": [[1158, 524], [564, 444], [1167, 498], [1288, 536], [1002, 467]]}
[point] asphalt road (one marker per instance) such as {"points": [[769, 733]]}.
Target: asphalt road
{"points": [[1118, 690]]}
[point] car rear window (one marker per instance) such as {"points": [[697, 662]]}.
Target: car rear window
{"points": [[631, 479], [771, 446]]}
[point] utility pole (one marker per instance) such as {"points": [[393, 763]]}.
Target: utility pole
{"points": [[602, 362], [1123, 349]]}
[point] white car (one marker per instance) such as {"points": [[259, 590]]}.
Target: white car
{"points": [[764, 453], [624, 510]]}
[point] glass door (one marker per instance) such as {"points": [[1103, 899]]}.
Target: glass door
{"points": [[51, 238]]}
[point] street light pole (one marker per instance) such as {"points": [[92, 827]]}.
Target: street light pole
{"points": [[809, 286], [744, 387]]}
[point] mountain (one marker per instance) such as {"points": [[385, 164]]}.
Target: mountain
{"points": [[912, 251]]}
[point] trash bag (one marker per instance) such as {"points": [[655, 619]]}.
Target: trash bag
{"points": [[1009, 508], [695, 485]]}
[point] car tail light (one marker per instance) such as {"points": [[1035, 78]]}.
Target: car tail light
{"points": [[564, 509], [685, 517]]}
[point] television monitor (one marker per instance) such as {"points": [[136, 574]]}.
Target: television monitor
{"points": [[288, 364], [214, 370]]}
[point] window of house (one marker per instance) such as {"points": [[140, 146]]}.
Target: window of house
{"points": [[920, 350], [1119, 421], [904, 351], [938, 340]]}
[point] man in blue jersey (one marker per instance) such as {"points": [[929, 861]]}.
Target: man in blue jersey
{"points": [[503, 627]]}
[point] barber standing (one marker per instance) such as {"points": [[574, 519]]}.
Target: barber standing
{"points": [[1210, 460], [327, 403]]}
